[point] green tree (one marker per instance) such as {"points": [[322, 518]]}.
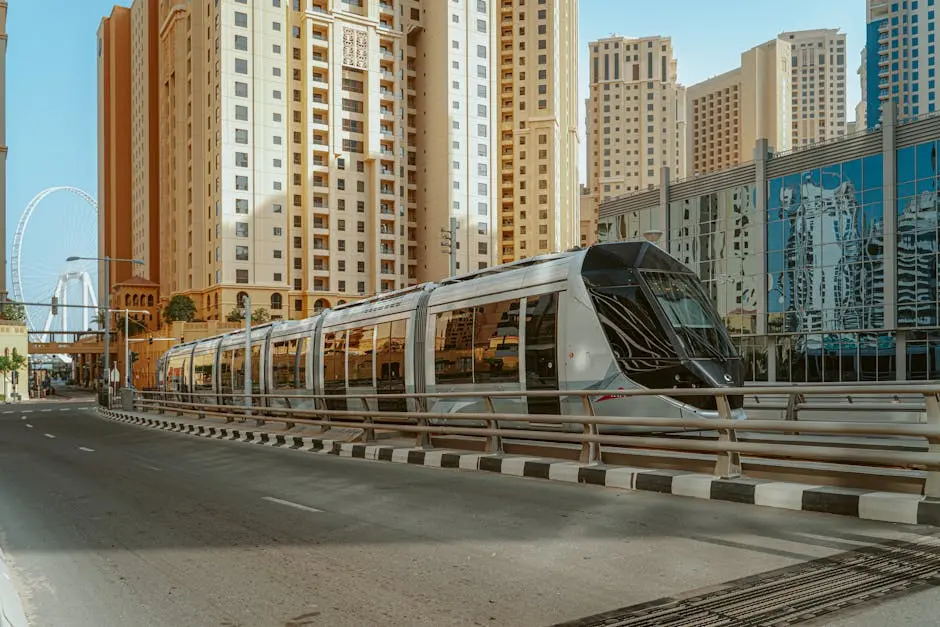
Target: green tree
{"points": [[258, 316], [10, 365], [133, 326], [98, 319], [181, 308], [14, 312]]}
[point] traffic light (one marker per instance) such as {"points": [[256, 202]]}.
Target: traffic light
{"points": [[55, 305], [447, 240], [150, 341]]}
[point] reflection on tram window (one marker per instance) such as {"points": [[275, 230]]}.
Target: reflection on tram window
{"points": [[496, 343], [687, 308], [359, 356], [283, 364], [334, 367], [238, 370], [453, 346], [202, 371], [225, 374], [390, 363]]}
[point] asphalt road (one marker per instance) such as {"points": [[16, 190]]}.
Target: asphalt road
{"points": [[107, 524]]}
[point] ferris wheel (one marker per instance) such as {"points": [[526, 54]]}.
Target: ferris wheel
{"points": [[58, 222]]}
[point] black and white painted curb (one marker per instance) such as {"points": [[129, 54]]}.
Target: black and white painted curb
{"points": [[866, 504]]}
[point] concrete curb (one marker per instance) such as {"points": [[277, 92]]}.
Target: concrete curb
{"points": [[865, 504]]}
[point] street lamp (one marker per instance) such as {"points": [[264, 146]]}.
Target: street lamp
{"points": [[107, 308], [653, 236]]}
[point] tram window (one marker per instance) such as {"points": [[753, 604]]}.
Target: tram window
{"points": [[225, 372], [256, 368], [176, 374], [633, 331], [453, 346], [202, 371], [390, 363], [360, 348], [541, 359], [302, 347], [238, 371], [334, 367], [496, 342], [283, 364]]}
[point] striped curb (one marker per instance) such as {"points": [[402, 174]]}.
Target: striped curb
{"points": [[864, 504]]}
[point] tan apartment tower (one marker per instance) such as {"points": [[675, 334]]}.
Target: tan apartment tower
{"points": [[115, 169], [285, 139], [818, 86], [538, 138], [729, 112], [635, 115]]}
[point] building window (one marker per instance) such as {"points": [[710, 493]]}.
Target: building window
{"points": [[241, 66], [241, 43], [241, 276], [241, 113], [241, 183], [241, 159], [241, 229], [241, 205], [241, 253], [241, 89], [241, 19]]}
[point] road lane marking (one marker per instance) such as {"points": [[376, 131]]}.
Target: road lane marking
{"points": [[46, 410], [29, 426], [152, 468], [272, 499], [22, 417], [64, 409], [86, 449], [49, 435]]}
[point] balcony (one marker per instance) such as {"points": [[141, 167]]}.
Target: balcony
{"points": [[386, 190], [387, 250]]}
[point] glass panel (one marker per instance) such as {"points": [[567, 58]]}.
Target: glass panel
{"points": [[225, 375], [540, 351], [202, 371], [390, 363], [496, 343], [284, 364], [453, 346], [359, 357], [334, 368]]}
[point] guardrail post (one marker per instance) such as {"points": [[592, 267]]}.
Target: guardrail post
{"points": [[422, 438], [494, 441], [590, 450], [932, 482], [793, 402], [728, 464], [289, 424], [320, 403], [368, 433]]}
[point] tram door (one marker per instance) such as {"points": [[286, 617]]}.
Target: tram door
{"points": [[541, 352]]}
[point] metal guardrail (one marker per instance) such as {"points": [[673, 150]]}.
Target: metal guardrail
{"points": [[727, 449]]}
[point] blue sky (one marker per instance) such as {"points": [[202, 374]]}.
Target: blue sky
{"points": [[52, 76]]}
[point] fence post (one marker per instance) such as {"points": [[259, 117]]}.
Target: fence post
{"points": [[590, 451], [289, 425], [494, 442], [932, 482], [728, 463], [320, 403], [368, 433], [794, 399], [422, 438]]}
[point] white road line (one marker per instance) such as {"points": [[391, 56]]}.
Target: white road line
{"points": [[271, 499], [46, 410], [64, 409], [152, 468], [49, 435], [27, 411], [29, 426], [86, 449], [22, 417], [8, 412]]}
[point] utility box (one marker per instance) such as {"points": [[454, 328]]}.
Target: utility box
{"points": [[127, 398]]}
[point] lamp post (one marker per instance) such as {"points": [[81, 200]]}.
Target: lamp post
{"points": [[107, 308]]}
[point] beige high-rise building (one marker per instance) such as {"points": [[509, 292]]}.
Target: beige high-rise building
{"points": [[309, 153], [636, 121], [285, 144], [539, 144], [818, 85], [729, 112]]}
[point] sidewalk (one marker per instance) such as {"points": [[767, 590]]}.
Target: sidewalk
{"points": [[11, 609]]}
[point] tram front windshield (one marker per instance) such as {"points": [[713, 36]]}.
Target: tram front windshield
{"points": [[691, 314]]}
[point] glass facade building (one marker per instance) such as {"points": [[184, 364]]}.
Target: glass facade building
{"points": [[823, 261]]}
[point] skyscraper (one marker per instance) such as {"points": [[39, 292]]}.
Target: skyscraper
{"points": [[309, 153], [539, 144], [818, 85], [635, 115], [900, 57], [728, 113]]}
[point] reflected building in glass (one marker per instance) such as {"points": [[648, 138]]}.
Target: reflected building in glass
{"points": [[823, 261]]}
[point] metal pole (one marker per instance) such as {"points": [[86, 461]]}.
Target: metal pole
{"points": [[127, 353], [247, 302], [107, 326], [453, 246]]}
